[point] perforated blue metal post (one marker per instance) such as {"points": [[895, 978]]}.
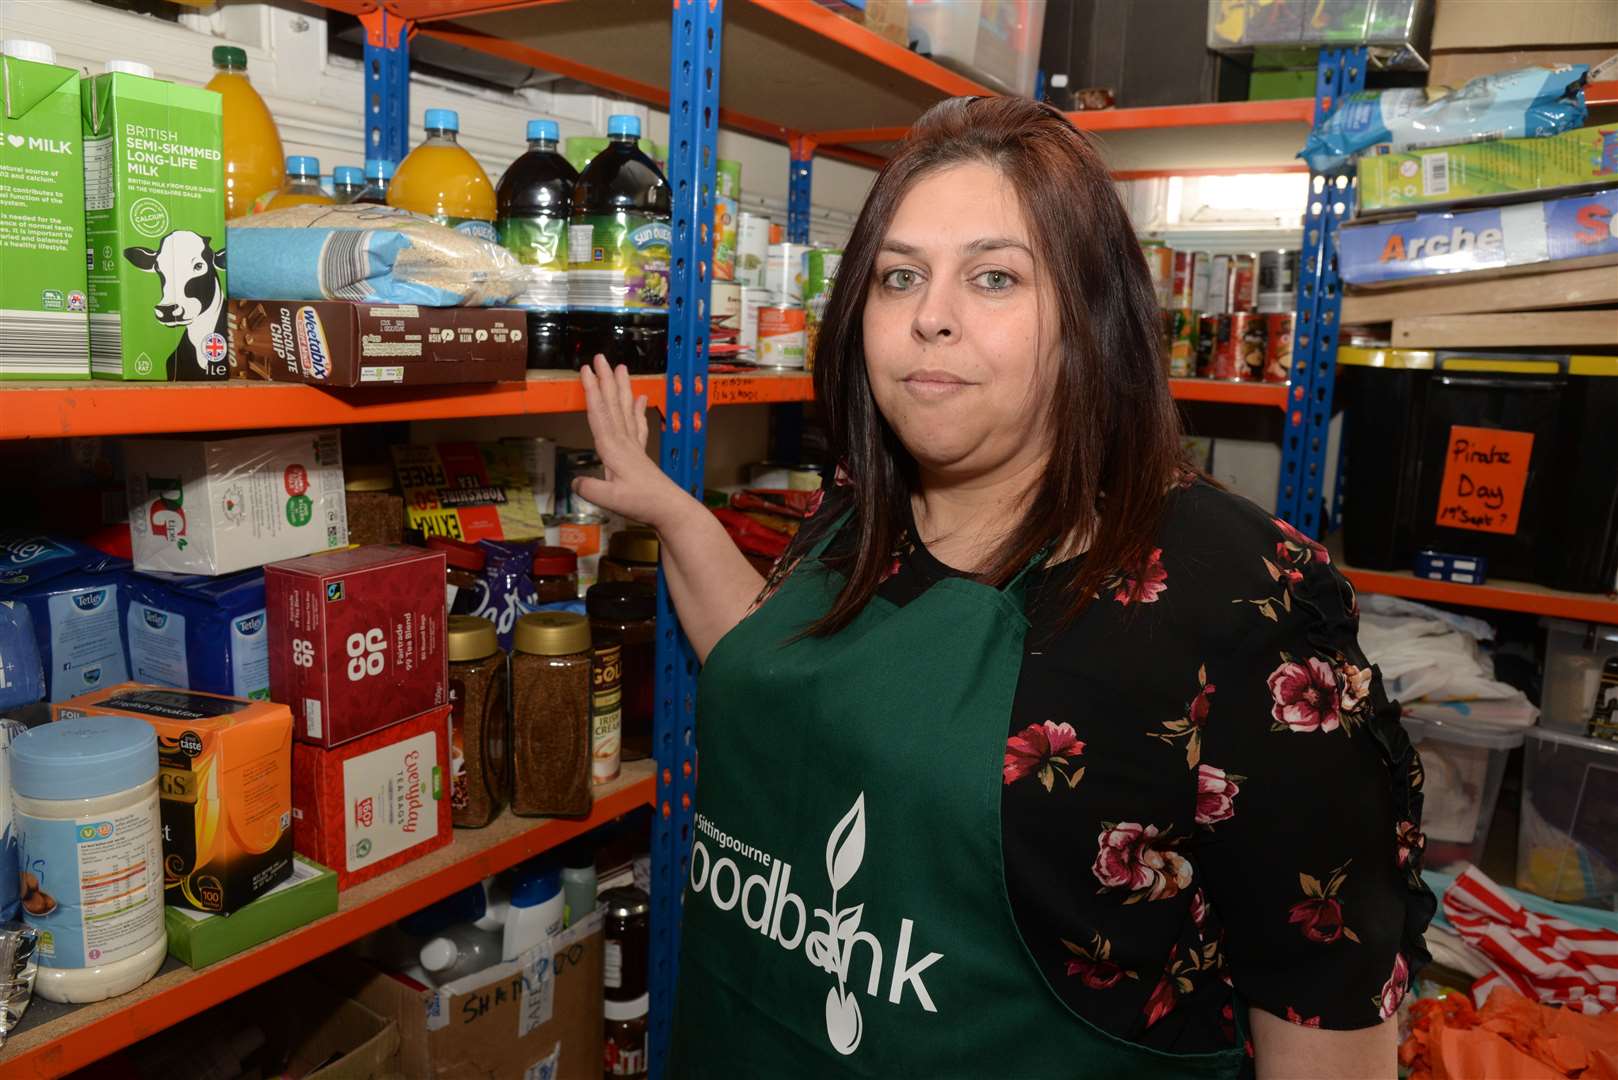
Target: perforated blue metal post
{"points": [[800, 186], [387, 84], [693, 149], [1314, 341]]}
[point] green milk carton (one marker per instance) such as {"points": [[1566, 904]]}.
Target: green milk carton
{"points": [[154, 214], [42, 288]]}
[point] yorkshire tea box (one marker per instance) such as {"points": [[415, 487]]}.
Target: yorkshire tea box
{"points": [[225, 789], [477, 490], [154, 218], [43, 331], [216, 506], [1471, 172]]}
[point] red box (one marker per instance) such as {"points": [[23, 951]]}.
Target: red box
{"points": [[375, 803], [356, 639]]}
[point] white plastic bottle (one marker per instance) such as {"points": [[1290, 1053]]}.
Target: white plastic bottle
{"points": [[578, 887], [536, 910], [458, 952]]}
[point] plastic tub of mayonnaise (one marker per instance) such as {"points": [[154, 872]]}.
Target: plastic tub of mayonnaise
{"points": [[89, 834]]}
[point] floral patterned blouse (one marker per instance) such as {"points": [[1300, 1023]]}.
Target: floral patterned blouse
{"points": [[1208, 801]]}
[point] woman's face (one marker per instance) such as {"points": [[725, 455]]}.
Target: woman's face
{"points": [[961, 332]]}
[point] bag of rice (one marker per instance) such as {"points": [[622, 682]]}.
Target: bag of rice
{"points": [[366, 254]]}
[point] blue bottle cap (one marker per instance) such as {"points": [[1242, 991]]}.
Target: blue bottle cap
{"points": [[624, 125], [443, 120], [544, 129], [84, 757], [378, 169], [535, 885], [303, 165], [348, 175]]}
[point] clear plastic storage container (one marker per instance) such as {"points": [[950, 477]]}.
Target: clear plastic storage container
{"points": [[1463, 765], [1567, 843], [993, 41], [1397, 31], [1575, 653]]}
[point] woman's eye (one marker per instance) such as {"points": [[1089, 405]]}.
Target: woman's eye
{"points": [[899, 279], [996, 280]]}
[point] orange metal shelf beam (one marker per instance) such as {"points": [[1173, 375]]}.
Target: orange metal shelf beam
{"points": [[1498, 596], [1601, 93], [55, 410], [1229, 393], [181, 993], [1289, 111]]}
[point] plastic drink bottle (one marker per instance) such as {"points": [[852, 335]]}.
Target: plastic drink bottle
{"points": [[440, 180], [534, 199], [378, 175], [302, 185], [253, 154], [459, 951], [348, 183]]}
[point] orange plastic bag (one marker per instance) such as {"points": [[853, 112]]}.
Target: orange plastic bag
{"points": [[1510, 1038]]}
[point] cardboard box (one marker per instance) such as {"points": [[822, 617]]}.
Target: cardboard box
{"points": [[154, 217], [1473, 173], [215, 506], [357, 639], [495, 1023], [225, 784], [1555, 234], [1521, 292], [201, 633], [1456, 68], [44, 332], [375, 803], [1520, 24], [197, 940], [478, 490], [74, 599], [332, 343]]}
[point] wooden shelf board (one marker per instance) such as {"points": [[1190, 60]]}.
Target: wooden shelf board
{"points": [[60, 409], [51, 1045]]}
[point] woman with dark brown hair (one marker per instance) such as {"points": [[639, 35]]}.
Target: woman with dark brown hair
{"points": [[1037, 755]]}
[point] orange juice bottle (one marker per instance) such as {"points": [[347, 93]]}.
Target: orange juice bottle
{"points": [[440, 180], [302, 187], [253, 151]]}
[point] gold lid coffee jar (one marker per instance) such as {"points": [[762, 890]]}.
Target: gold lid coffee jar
{"points": [[632, 555], [471, 638], [550, 714], [552, 633], [479, 692]]}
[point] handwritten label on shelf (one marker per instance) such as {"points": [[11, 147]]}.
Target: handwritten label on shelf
{"points": [[1485, 472]]}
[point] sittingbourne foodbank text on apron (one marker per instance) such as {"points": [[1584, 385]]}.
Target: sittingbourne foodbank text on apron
{"points": [[769, 906]]}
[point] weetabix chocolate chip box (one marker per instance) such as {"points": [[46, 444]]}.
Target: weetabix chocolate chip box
{"points": [[338, 344]]}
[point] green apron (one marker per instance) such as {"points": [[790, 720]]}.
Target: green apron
{"points": [[846, 913]]}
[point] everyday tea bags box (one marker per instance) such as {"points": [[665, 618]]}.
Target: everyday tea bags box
{"points": [[43, 331], [154, 214], [225, 787]]}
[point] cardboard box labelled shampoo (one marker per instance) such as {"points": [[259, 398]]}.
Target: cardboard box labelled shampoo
{"points": [[154, 216], [43, 332], [225, 781]]}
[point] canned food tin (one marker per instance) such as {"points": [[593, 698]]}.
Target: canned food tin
{"points": [[1225, 351], [784, 276], [1180, 294], [1247, 334], [1201, 274], [781, 337], [752, 250], [1243, 282], [725, 309], [1207, 337], [1278, 348], [1182, 342], [1277, 281], [753, 301], [1219, 284], [1160, 261]]}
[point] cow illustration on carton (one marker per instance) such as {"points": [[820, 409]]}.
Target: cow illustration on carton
{"points": [[191, 297]]}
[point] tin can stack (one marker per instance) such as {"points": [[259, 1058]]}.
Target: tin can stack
{"points": [[1225, 316]]}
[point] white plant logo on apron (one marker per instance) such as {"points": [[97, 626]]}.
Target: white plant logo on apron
{"points": [[831, 949]]}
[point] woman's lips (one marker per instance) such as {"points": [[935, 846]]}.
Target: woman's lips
{"points": [[933, 385]]}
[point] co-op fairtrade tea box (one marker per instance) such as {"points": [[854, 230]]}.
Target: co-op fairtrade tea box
{"points": [[43, 306], [154, 219], [334, 343], [225, 789]]}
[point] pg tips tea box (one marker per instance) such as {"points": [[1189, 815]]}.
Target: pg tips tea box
{"points": [[154, 213], [215, 506], [42, 284]]}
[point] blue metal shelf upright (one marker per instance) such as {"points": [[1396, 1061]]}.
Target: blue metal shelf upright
{"points": [[1314, 339]]}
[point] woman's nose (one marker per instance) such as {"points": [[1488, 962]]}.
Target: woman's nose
{"points": [[935, 322]]}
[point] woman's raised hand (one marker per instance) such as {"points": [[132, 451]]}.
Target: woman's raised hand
{"points": [[633, 486]]}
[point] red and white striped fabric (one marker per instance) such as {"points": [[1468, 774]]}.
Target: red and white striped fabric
{"points": [[1544, 959]]}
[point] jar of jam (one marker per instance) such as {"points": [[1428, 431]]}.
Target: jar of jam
{"points": [[632, 555], [478, 719], [376, 513], [624, 614], [556, 575], [624, 967], [625, 1030], [465, 588]]}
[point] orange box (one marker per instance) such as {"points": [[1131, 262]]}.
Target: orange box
{"points": [[225, 786]]}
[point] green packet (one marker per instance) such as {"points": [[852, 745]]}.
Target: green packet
{"points": [[1474, 172]]}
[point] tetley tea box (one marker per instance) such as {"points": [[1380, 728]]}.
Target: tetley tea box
{"points": [[42, 291], [154, 212]]}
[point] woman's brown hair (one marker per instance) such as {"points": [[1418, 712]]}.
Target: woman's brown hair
{"points": [[1116, 435]]}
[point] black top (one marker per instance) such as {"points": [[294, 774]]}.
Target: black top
{"points": [[1207, 796]]}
